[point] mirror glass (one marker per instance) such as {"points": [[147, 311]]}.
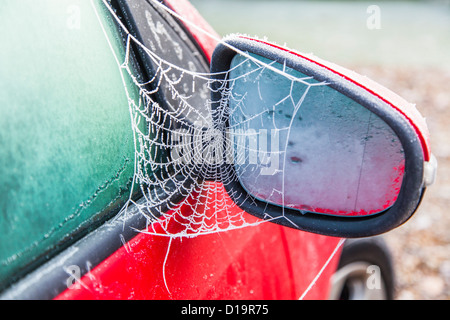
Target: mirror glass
{"points": [[299, 143]]}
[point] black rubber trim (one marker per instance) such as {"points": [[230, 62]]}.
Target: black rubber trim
{"points": [[336, 226]]}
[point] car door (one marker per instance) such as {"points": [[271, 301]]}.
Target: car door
{"points": [[86, 85]]}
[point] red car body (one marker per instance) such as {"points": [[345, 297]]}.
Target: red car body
{"points": [[265, 261]]}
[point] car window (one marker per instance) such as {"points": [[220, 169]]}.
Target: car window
{"points": [[173, 57], [74, 117], [67, 150]]}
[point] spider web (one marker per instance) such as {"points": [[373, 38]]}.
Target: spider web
{"points": [[179, 151], [179, 146], [192, 150]]}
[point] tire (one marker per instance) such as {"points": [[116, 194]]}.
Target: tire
{"points": [[365, 271]]}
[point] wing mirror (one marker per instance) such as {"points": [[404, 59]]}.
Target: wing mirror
{"points": [[313, 146]]}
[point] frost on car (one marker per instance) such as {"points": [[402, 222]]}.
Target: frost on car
{"points": [[140, 165]]}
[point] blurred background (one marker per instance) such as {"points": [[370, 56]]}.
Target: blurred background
{"points": [[405, 46]]}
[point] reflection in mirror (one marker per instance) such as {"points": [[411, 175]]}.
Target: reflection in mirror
{"points": [[300, 143]]}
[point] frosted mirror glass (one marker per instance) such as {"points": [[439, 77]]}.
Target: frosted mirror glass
{"points": [[299, 143]]}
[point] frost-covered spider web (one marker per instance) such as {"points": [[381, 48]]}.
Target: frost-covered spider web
{"points": [[191, 149], [198, 135], [180, 140]]}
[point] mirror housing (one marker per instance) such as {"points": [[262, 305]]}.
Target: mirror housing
{"points": [[400, 116]]}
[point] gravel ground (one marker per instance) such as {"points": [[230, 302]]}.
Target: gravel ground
{"points": [[421, 247]]}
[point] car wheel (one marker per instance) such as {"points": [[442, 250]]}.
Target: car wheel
{"points": [[365, 271]]}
